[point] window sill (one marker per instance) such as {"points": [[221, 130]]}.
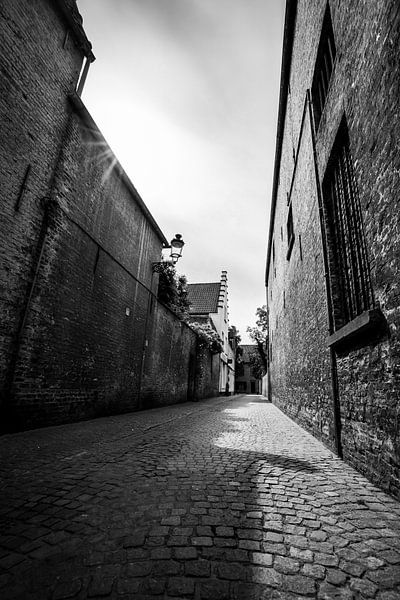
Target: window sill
{"points": [[290, 248], [367, 328]]}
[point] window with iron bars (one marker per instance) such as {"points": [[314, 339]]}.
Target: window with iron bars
{"points": [[352, 291], [323, 67]]}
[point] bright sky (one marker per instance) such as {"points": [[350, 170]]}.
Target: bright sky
{"points": [[186, 93]]}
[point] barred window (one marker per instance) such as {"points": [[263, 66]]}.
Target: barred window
{"points": [[350, 277], [323, 66]]}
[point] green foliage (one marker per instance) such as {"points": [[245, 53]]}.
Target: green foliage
{"points": [[259, 335], [207, 337], [172, 290], [256, 365], [239, 364], [234, 335], [260, 332]]}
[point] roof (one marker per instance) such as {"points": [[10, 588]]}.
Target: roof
{"points": [[72, 16], [203, 297], [248, 350], [288, 36]]}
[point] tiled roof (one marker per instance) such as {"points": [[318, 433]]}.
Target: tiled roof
{"points": [[203, 298], [248, 349]]}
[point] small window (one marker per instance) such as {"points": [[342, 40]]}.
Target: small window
{"points": [[349, 267], [323, 67], [290, 232]]}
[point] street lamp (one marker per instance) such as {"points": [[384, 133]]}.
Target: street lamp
{"points": [[176, 248]]}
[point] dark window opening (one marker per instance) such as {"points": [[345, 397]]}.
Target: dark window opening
{"points": [[352, 291], [290, 232], [323, 67]]}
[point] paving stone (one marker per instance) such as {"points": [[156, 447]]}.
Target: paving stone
{"points": [[198, 568], [299, 584], [286, 565], [230, 570], [202, 541], [225, 531], [249, 545], [119, 510], [138, 569], [266, 575], [67, 589], [353, 568], [166, 567], [316, 571], [262, 558], [305, 555], [336, 576], [214, 589], [225, 542], [364, 587], [327, 591], [179, 586], [185, 553], [128, 587], [100, 586], [328, 560], [386, 577]]}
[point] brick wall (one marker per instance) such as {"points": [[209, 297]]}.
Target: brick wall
{"points": [[175, 370], [38, 68], [364, 87], [82, 334]]}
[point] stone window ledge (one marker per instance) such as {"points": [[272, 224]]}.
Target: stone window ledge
{"points": [[365, 329]]}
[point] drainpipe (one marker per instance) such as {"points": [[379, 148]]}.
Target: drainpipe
{"points": [[333, 361]]}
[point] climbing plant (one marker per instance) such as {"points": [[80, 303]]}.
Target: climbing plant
{"points": [[207, 337]]}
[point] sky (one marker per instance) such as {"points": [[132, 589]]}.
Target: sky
{"points": [[186, 94]]}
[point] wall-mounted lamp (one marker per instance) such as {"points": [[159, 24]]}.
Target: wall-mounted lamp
{"points": [[176, 248]]}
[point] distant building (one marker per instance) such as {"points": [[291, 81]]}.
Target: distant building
{"points": [[245, 382], [333, 268], [209, 304]]}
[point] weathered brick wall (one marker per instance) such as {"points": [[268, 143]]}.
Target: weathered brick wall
{"points": [[77, 247], [82, 347], [207, 375], [364, 86], [38, 68], [175, 370], [368, 85], [300, 372]]}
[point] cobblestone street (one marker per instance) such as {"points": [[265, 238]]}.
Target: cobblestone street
{"points": [[223, 499]]}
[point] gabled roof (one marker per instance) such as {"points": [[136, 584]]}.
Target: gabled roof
{"points": [[203, 298]]}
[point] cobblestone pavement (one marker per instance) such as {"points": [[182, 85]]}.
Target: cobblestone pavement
{"points": [[224, 499]]}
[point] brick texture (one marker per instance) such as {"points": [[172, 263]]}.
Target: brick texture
{"points": [[82, 333], [365, 87], [37, 71]]}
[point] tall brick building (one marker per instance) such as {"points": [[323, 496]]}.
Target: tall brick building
{"points": [[332, 276], [81, 331]]}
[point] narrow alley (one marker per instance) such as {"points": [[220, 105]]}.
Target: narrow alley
{"points": [[222, 499]]}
